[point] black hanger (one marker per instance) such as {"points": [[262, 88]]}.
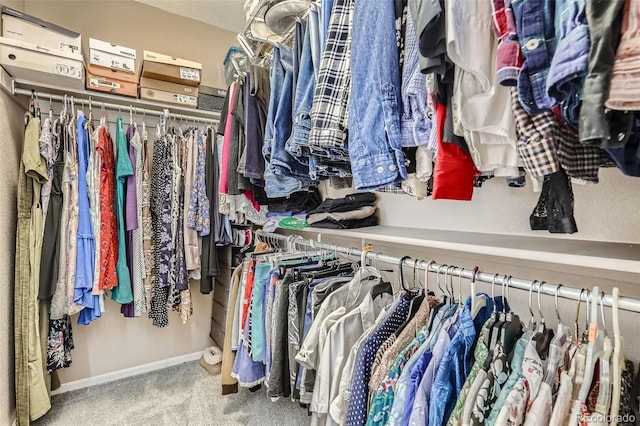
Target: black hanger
{"points": [[401, 272], [544, 335], [512, 328]]}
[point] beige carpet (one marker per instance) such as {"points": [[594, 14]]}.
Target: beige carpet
{"points": [[176, 396]]}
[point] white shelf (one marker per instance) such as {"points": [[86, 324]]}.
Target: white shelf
{"points": [[589, 254], [13, 85]]}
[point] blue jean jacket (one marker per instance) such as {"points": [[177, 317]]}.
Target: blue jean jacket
{"points": [[298, 144], [375, 143], [571, 58], [535, 28], [283, 174]]}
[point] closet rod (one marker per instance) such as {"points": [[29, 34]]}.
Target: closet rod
{"points": [[625, 303], [42, 96]]}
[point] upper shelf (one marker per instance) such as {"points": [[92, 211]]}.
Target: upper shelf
{"points": [[15, 85], [590, 254]]}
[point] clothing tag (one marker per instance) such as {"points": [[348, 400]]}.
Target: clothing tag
{"points": [[189, 74], [67, 70], [593, 332]]}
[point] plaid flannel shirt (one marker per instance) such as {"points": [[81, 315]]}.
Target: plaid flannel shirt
{"points": [[509, 54], [330, 102], [545, 144]]}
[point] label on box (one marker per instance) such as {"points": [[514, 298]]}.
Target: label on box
{"points": [[189, 74], [67, 70], [184, 99], [72, 47], [98, 82]]}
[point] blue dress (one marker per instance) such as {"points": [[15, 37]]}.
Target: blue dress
{"points": [[86, 245]]}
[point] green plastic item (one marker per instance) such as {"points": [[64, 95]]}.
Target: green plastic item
{"points": [[293, 223]]}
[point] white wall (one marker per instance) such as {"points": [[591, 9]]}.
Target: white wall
{"points": [[608, 211], [111, 343]]}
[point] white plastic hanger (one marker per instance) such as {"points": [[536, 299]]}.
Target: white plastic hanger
{"points": [[604, 393], [477, 302], [618, 358], [558, 347], [594, 348]]}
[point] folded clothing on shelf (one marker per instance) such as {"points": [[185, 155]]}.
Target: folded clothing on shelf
{"points": [[348, 203]]}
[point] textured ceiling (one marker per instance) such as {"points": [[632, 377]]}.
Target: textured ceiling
{"points": [[227, 14]]}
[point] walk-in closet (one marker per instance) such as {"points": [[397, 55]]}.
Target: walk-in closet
{"points": [[319, 212]]}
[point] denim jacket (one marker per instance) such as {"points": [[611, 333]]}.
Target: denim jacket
{"points": [[278, 183], [571, 57], [375, 142], [535, 29]]}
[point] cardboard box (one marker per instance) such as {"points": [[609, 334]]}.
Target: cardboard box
{"points": [[166, 86], [211, 98], [159, 93], [105, 80], [114, 49], [27, 28], [38, 63], [112, 56], [114, 74], [166, 68]]}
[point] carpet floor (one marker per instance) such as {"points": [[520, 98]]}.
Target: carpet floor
{"points": [[183, 395]]}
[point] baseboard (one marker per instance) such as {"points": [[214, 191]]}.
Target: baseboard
{"points": [[127, 372]]}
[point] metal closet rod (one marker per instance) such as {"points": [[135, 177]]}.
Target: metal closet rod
{"points": [[625, 303], [42, 96]]}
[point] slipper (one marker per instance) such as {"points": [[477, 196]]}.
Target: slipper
{"points": [[211, 360]]}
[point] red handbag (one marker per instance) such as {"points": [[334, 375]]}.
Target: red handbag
{"points": [[454, 171]]}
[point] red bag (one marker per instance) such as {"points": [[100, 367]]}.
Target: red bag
{"points": [[454, 171]]}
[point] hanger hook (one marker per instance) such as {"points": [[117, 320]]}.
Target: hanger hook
{"points": [[506, 283], [438, 278], [415, 268], [426, 275], [533, 284], [604, 320], [401, 272], [493, 293], [576, 326], [460, 272], [555, 297], [452, 292], [539, 304]]}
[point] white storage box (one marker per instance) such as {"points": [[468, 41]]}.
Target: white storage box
{"points": [[38, 63], [112, 56], [27, 28]]}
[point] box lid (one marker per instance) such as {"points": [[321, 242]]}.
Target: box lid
{"points": [[97, 70], [38, 48], [114, 49], [212, 91], [166, 59], [39, 22]]}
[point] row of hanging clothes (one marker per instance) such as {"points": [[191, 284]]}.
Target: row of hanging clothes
{"points": [[448, 95], [354, 348], [124, 215]]}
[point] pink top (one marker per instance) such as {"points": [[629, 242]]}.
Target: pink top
{"points": [[226, 142]]}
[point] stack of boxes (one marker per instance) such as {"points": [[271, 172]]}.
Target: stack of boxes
{"points": [[170, 80], [40, 51], [36, 50], [112, 69]]}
